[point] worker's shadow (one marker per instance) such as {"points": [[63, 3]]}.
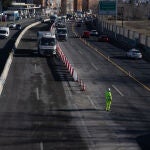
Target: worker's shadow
{"points": [[144, 141]]}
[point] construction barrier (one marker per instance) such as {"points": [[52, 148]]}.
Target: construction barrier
{"points": [[71, 70], [68, 65]]}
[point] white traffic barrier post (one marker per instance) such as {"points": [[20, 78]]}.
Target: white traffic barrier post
{"points": [[83, 87]]}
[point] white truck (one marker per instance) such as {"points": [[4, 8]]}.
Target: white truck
{"points": [[46, 43], [4, 32], [62, 34]]}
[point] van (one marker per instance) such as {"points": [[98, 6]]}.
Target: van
{"points": [[4, 32]]}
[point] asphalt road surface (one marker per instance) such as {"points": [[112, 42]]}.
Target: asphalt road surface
{"points": [[42, 108], [6, 45]]}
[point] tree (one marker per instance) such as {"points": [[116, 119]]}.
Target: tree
{"points": [[6, 4]]}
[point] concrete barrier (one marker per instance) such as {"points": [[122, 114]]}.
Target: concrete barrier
{"points": [[10, 57], [23, 32]]}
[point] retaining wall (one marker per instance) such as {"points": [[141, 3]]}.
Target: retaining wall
{"points": [[125, 37]]}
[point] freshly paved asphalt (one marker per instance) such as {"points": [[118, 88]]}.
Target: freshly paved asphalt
{"points": [[42, 108]]}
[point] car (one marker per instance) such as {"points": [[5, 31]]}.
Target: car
{"points": [[18, 26], [103, 38], [93, 33], [134, 53], [12, 25], [86, 34]]}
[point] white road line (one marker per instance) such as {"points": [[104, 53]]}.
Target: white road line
{"points": [[117, 90], [41, 146], [37, 94], [92, 103], [94, 66], [81, 52], [70, 95], [86, 129], [35, 67]]}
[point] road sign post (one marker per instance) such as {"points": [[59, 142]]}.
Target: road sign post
{"points": [[108, 7]]}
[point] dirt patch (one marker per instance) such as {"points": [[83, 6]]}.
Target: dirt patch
{"points": [[139, 26]]}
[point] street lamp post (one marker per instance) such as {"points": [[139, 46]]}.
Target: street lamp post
{"points": [[122, 14], [116, 18]]}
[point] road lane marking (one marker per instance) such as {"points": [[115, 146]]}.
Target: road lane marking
{"points": [[115, 64], [35, 67], [92, 103], [37, 94], [81, 52], [94, 66], [90, 143], [117, 90], [41, 146]]}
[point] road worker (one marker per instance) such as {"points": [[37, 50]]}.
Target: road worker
{"points": [[108, 97]]}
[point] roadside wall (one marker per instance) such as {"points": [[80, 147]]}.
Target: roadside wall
{"points": [[125, 37]]}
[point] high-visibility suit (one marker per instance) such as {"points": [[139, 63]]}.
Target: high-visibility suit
{"points": [[108, 97]]}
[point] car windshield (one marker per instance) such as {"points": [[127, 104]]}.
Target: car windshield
{"points": [[11, 24], [61, 31], [3, 32], [104, 36], [48, 41], [135, 51]]}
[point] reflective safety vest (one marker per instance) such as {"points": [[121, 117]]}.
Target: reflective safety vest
{"points": [[108, 95]]}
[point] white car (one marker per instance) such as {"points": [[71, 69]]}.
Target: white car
{"points": [[93, 33], [134, 53]]}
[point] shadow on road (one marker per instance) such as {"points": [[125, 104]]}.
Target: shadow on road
{"points": [[144, 141], [26, 53], [4, 52], [59, 70]]}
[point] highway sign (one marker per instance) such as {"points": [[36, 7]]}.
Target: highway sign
{"points": [[107, 7]]}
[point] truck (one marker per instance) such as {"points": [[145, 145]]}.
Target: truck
{"points": [[4, 32], [46, 43], [62, 34]]}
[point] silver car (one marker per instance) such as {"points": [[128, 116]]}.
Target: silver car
{"points": [[134, 53]]}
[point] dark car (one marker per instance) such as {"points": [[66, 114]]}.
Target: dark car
{"points": [[79, 24], [18, 26], [86, 34], [11, 25], [103, 38]]}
